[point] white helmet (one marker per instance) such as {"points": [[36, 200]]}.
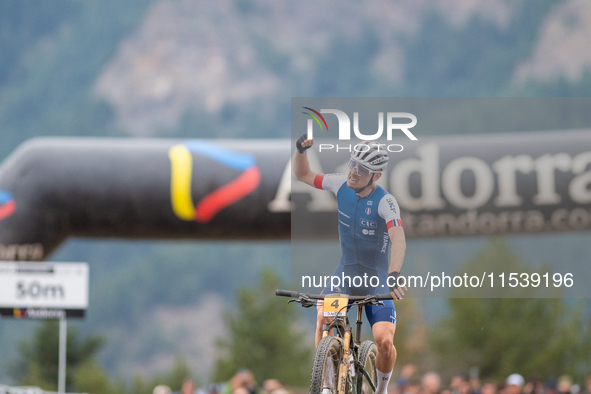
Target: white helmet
{"points": [[371, 156]]}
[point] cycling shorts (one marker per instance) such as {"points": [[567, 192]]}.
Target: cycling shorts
{"points": [[378, 313], [374, 313]]}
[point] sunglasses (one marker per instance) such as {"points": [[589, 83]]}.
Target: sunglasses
{"points": [[359, 169]]}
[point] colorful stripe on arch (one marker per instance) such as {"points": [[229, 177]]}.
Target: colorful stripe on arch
{"points": [[7, 205], [181, 162]]}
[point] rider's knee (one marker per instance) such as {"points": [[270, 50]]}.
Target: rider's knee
{"points": [[319, 316], [385, 345], [320, 319]]}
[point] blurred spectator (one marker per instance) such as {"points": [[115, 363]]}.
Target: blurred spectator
{"points": [[188, 387], [161, 389], [475, 387], [533, 386], [413, 387], [464, 387], [475, 380], [408, 370], [564, 384], [488, 388], [514, 384], [588, 385], [457, 381], [575, 389], [214, 388], [273, 386], [241, 383], [550, 386], [431, 383]]}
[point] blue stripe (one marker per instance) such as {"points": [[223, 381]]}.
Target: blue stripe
{"points": [[5, 197], [235, 160]]}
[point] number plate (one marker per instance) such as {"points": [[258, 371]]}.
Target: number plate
{"points": [[335, 304]]}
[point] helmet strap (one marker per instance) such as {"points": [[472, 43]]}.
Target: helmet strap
{"points": [[368, 184]]}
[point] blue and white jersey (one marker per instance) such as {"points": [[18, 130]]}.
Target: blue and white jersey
{"points": [[363, 224]]}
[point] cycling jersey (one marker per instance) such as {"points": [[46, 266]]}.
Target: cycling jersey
{"points": [[363, 222], [364, 239]]}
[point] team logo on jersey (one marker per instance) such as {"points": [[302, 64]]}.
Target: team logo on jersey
{"points": [[370, 202], [368, 232], [385, 242], [391, 204], [368, 223], [367, 211]]}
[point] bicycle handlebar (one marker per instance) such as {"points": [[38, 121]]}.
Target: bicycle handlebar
{"points": [[287, 293], [295, 294]]}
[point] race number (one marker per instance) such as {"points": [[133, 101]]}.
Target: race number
{"points": [[335, 304]]}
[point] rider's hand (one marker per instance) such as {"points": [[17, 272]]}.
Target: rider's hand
{"points": [[396, 291], [303, 143]]}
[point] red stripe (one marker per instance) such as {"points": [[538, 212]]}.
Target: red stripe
{"points": [[392, 223], [318, 181], [7, 209], [228, 194]]}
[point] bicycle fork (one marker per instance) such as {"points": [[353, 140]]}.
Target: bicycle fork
{"points": [[344, 365]]}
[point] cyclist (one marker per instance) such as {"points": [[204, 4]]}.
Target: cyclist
{"points": [[369, 221]]}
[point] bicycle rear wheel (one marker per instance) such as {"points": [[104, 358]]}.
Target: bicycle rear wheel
{"points": [[367, 357], [327, 357]]}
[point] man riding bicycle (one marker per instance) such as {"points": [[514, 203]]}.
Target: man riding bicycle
{"points": [[369, 229]]}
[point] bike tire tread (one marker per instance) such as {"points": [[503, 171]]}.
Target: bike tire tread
{"points": [[367, 349], [326, 345]]}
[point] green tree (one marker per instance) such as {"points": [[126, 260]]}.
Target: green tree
{"points": [[38, 366], [39, 357], [411, 335], [263, 337], [531, 336], [90, 377]]}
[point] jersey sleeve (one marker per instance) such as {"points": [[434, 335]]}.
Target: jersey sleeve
{"points": [[389, 210], [332, 182]]}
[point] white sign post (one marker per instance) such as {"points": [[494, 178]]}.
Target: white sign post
{"points": [[45, 291]]}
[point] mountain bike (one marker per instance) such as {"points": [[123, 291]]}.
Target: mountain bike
{"points": [[342, 364]]}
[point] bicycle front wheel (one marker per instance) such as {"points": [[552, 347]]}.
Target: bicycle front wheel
{"points": [[367, 357], [325, 369]]}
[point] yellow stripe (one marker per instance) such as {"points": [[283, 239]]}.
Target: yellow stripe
{"points": [[181, 165]]}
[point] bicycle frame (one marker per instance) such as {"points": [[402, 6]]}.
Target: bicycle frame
{"points": [[344, 333], [344, 329]]}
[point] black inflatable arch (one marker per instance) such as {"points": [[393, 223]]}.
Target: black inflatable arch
{"points": [[52, 188]]}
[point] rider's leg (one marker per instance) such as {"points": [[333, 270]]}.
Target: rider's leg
{"points": [[320, 320], [328, 373], [383, 333]]}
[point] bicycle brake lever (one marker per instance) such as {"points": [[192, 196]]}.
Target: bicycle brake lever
{"points": [[373, 301], [304, 301]]}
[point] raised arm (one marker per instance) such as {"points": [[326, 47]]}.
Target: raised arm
{"points": [[301, 167]]}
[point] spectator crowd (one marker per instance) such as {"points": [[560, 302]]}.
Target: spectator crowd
{"points": [[408, 382]]}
